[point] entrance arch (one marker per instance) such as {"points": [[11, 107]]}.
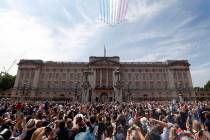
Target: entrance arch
{"points": [[104, 97]]}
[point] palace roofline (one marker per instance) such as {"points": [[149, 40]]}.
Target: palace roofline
{"points": [[94, 58]]}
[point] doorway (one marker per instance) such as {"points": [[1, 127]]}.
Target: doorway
{"points": [[104, 97]]}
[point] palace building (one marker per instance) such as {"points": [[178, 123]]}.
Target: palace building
{"points": [[103, 79]]}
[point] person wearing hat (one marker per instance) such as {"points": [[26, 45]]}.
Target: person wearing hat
{"points": [[78, 125], [30, 128]]}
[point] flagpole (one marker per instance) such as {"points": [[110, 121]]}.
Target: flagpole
{"points": [[104, 51]]}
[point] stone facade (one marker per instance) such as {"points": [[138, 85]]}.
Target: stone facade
{"points": [[103, 79]]}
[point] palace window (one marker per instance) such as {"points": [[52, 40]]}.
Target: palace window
{"points": [[63, 84], [110, 80], [56, 84], [137, 84], [49, 84], [71, 75], [157, 76], [166, 85], [137, 76], [151, 85], [164, 76], [27, 74], [98, 76], [129, 76], [64, 75], [56, 75], [158, 85], [150, 76], [131, 84], [185, 75], [50, 75], [32, 74], [41, 83], [42, 76], [144, 85], [180, 75], [21, 74], [143, 76], [78, 76], [70, 84], [175, 75], [104, 77]]}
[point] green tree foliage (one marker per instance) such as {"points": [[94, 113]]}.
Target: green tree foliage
{"points": [[6, 81], [198, 88], [207, 86]]}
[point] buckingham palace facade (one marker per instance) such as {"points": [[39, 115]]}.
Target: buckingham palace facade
{"points": [[103, 79]]}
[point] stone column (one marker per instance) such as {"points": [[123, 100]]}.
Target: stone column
{"points": [[189, 79], [100, 77], [171, 83], [17, 78], [36, 78], [16, 85], [113, 83], [35, 81], [107, 77]]}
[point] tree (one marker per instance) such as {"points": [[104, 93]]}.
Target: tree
{"points": [[207, 86], [198, 88], [6, 81]]}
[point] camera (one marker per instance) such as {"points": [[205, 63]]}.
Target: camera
{"points": [[5, 134], [133, 128], [48, 128]]}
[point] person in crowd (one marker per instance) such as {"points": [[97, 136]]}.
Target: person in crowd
{"points": [[56, 120], [30, 128], [63, 132]]}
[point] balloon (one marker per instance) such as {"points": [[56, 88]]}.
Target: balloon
{"points": [[113, 11]]}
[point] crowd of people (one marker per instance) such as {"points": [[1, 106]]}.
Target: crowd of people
{"points": [[105, 121]]}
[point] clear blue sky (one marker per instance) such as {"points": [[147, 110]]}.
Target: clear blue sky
{"points": [[71, 30]]}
